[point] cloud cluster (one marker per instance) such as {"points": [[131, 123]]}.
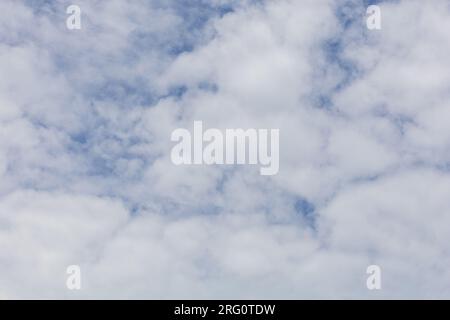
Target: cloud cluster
{"points": [[85, 170]]}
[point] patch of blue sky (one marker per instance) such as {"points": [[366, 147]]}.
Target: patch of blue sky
{"points": [[307, 210], [349, 15], [195, 15], [45, 7], [124, 93]]}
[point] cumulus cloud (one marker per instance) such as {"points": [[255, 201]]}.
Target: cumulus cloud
{"points": [[86, 176]]}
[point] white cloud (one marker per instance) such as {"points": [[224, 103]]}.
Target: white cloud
{"points": [[86, 176], [43, 233]]}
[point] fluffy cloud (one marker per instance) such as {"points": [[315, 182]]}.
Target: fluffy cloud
{"points": [[86, 176]]}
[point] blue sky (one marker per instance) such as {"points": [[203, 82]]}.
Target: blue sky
{"points": [[86, 178]]}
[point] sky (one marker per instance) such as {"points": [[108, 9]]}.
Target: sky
{"points": [[85, 171]]}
